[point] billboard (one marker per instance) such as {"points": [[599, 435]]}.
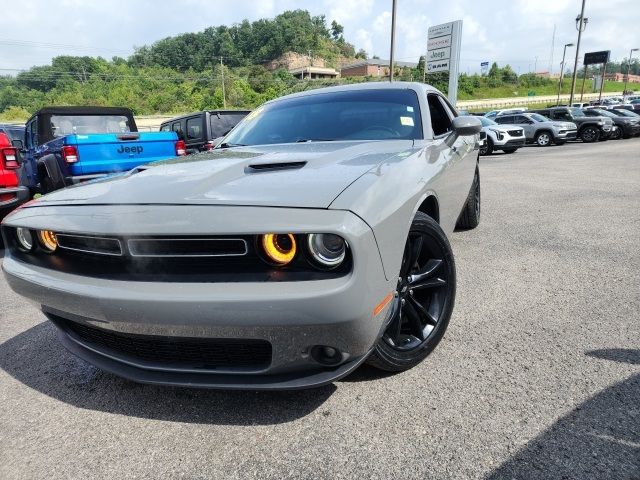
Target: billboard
{"points": [[593, 58]]}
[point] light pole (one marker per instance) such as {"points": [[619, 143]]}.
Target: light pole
{"points": [[626, 79], [564, 53], [393, 40], [581, 24]]}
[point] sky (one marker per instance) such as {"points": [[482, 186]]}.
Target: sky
{"points": [[517, 32]]}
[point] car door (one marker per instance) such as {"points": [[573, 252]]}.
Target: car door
{"points": [[458, 160], [526, 124]]}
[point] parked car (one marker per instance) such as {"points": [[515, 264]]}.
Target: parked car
{"points": [[590, 129], [627, 127], [12, 194], [311, 240], [68, 145], [539, 129], [201, 129], [507, 138], [494, 113]]}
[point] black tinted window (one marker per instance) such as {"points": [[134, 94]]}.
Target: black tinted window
{"points": [[222, 122], [194, 128], [384, 114], [504, 119], [440, 120]]}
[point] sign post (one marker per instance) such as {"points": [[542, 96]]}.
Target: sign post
{"points": [[443, 53]]}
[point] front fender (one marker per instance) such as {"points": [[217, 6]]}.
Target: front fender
{"points": [[49, 163]]}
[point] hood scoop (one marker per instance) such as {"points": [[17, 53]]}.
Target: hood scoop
{"points": [[271, 167]]}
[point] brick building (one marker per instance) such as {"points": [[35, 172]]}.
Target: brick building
{"points": [[373, 67]]}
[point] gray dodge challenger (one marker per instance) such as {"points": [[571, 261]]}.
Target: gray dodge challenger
{"points": [[311, 240]]}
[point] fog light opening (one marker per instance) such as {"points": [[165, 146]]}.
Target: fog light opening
{"points": [[326, 355]]}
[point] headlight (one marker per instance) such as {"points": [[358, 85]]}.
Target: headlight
{"points": [[48, 240], [327, 249], [25, 239], [280, 248]]}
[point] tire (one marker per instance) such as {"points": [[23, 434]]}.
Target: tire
{"points": [[543, 138], [510, 150], [590, 134], [423, 302], [470, 216], [488, 148]]}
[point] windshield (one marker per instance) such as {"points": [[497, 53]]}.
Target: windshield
{"points": [[62, 125], [538, 118], [347, 115], [486, 121], [222, 122], [603, 113], [576, 112], [625, 113], [13, 133]]}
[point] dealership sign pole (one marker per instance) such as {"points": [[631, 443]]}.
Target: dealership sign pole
{"points": [[443, 53]]}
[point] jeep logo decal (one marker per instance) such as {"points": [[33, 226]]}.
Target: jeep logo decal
{"points": [[124, 149]]}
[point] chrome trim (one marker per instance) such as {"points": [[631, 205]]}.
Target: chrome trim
{"points": [[133, 253], [94, 252]]}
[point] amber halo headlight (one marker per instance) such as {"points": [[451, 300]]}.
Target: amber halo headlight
{"points": [[327, 249], [25, 239], [48, 240], [280, 248]]}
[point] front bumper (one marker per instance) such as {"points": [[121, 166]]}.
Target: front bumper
{"points": [[512, 143], [566, 134], [18, 196], [292, 316]]}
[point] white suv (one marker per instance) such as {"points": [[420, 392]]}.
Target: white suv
{"points": [[507, 138]]}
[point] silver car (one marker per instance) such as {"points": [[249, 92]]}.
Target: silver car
{"points": [[539, 129], [313, 239]]}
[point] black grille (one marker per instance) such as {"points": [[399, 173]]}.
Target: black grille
{"points": [[515, 133], [173, 352]]}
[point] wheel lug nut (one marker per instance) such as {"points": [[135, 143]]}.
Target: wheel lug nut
{"points": [[395, 294], [403, 301], [399, 279], [411, 292]]}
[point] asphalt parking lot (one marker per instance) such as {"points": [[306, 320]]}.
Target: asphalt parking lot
{"points": [[537, 377]]}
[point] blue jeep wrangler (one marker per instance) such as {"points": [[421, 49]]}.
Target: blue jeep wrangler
{"points": [[68, 145]]}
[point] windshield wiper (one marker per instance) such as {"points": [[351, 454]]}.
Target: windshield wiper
{"points": [[229, 145], [305, 140]]}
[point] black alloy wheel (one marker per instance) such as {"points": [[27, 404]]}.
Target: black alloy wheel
{"points": [[590, 134], [423, 300], [487, 148]]}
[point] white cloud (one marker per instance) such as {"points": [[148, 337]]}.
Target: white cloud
{"points": [[506, 31]]}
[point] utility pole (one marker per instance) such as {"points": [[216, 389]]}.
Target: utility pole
{"points": [[581, 24], [393, 40], [626, 79], [564, 53], [535, 66], [224, 96]]}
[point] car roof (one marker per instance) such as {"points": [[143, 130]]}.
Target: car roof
{"points": [[220, 110], [82, 110]]}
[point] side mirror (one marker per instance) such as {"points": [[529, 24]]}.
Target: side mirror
{"points": [[18, 144], [466, 125]]}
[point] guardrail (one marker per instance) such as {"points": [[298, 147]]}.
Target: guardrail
{"points": [[497, 103]]}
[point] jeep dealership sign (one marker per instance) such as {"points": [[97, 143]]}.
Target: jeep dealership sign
{"points": [[443, 53]]}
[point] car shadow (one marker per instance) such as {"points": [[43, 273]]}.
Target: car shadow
{"points": [[599, 439], [38, 360]]}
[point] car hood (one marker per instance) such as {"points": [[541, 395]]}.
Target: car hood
{"points": [[309, 175], [502, 127]]}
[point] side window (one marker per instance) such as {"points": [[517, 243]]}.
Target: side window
{"points": [[165, 128], [177, 127], [521, 120], [32, 134], [505, 119], [194, 128], [440, 120]]}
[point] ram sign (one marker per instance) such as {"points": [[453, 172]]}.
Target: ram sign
{"points": [[593, 58]]}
